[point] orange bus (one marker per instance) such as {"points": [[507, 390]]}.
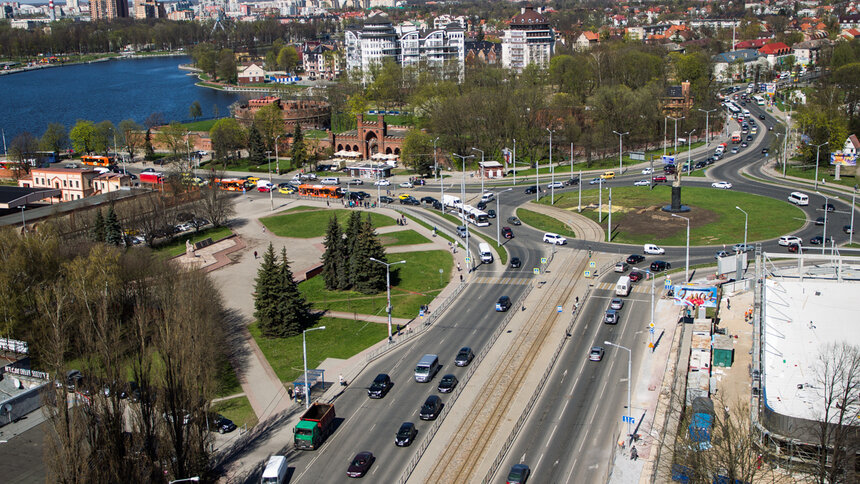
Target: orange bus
{"points": [[231, 184], [96, 160], [320, 191]]}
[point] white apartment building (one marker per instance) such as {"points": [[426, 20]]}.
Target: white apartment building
{"points": [[529, 40]]}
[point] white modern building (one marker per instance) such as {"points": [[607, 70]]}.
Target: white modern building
{"points": [[408, 46], [529, 40]]}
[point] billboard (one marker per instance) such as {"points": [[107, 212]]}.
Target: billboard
{"points": [[695, 296], [843, 159], [668, 159], [506, 156]]}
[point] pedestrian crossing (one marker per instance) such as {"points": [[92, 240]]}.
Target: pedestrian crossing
{"points": [[508, 281]]}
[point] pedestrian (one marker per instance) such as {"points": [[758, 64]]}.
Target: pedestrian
{"points": [[290, 392], [327, 204], [458, 267], [728, 304], [341, 380], [255, 254], [634, 454], [461, 278]]}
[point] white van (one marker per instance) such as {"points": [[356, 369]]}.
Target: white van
{"points": [[487, 197], [486, 253], [622, 287], [275, 471], [798, 198], [330, 180], [427, 368]]}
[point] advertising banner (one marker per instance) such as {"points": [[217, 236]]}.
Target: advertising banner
{"points": [[506, 155], [843, 159], [695, 296], [668, 159]]}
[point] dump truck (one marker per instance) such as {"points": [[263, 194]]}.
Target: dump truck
{"points": [[314, 427]]}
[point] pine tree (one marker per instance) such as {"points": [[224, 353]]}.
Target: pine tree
{"points": [[98, 231], [292, 312], [353, 232], [256, 147], [113, 231], [298, 151], [333, 257], [266, 291], [147, 145], [368, 276]]}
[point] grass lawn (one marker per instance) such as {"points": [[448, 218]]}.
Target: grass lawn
{"points": [[307, 224], [238, 410], [177, 245], [414, 283], [714, 220], [429, 227], [403, 237], [544, 222], [823, 173], [204, 125], [341, 338], [314, 134]]}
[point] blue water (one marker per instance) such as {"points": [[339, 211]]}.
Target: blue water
{"points": [[113, 90]]}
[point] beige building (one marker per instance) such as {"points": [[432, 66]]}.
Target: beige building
{"points": [[75, 183], [108, 9]]}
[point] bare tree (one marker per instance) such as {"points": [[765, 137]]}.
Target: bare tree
{"points": [[215, 203]]}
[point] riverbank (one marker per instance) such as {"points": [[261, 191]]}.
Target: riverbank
{"points": [[46, 66]]}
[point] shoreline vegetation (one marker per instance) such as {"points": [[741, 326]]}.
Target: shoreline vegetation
{"points": [[99, 58]]}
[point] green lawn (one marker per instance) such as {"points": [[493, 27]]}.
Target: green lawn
{"points": [[177, 246], [341, 338], [204, 125], [313, 223], [823, 173], [429, 227], [544, 222], [403, 237], [238, 410], [315, 134], [714, 218], [414, 283]]}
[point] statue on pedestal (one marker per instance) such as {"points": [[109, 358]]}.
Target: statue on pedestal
{"points": [[189, 249]]}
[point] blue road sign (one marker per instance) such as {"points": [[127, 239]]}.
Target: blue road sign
{"points": [[626, 419], [558, 308]]}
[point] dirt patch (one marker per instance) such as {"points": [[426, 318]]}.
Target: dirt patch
{"points": [[654, 221]]}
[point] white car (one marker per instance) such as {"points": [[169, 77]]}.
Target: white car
{"points": [[787, 240], [653, 249], [721, 184], [556, 239], [647, 171], [407, 184], [355, 181], [641, 183], [555, 185], [382, 183]]}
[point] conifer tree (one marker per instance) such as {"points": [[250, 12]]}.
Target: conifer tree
{"points": [[368, 276], [298, 150], [256, 147], [333, 258], [98, 231], [149, 153], [292, 312], [266, 291], [113, 231], [353, 232]]}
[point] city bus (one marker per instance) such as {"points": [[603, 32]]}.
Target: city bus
{"points": [[759, 100], [320, 191], [231, 184], [474, 216], [96, 160]]}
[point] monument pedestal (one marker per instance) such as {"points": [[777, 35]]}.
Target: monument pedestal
{"points": [[675, 206]]}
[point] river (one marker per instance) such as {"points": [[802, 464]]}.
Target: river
{"points": [[114, 90]]}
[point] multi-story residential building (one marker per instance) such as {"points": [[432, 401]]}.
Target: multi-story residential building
{"points": [[807, 53], [75, 183], [379, 39], [108, 9], [776, 54], [444, 21], [529, 40], [321, 61], [144, 9], [737, 64]]}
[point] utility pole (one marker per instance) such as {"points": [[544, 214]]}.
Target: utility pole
{"points": [[707, 131], [620, 150]]}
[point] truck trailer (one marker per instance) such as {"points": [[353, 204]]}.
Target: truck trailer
{"points": [[314, 427]]}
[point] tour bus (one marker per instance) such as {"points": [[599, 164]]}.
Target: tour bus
{"points": [[96, 160]]}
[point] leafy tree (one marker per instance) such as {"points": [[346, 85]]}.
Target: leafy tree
{"points": [[227, 71], [206, 58], [292, 312], [266, 291], [334, 257], [256, 147], [104, 137], [288, 58], [368, 276], [842, 54], [147, 145], [847, 78], [172, 137], [269, 122], [130, 132], [417, 151], [298, 150], [55, 138], [98, 232], [112, 229], [195, 111], [228, 138], [272, 54], [23, 147], [83, 136]]}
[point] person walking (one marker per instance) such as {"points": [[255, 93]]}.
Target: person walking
{"points": [[458, 267], [255, 254]]}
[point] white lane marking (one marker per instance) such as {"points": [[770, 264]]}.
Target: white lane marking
{"points": [[550, 436]]}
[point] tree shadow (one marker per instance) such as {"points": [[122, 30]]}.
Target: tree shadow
{"points": [[246, 444], [235, 349]]}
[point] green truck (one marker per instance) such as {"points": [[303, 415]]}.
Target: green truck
{"points": [[315, 425]]}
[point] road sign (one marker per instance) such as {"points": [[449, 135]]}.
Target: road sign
{"points": [[536, 271], [592, 264], [651, 325], [651, 330], [626, 419], [667, 284], [468, 259], [421, 312], [543, 260], [558, 309], [586, 274]]}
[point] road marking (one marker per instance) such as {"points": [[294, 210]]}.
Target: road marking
{"points": [[371, 428], [563, 375], [538, 461], [550, 436], [523, 458]]}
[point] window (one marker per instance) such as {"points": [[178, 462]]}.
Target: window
{"points": [[64, 184]]}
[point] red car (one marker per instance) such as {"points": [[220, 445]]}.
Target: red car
{"points": [[360, 464], [659, 179], [635, 276], [264, 188], [507, 233]]}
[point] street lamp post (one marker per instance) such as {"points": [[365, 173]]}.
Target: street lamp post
{"points": [[435, 161], [269, 165], [676, 130], [707, 132], [515, 161], [824, 227], [620, 150], [307, 392], [23, 220], [738, 255], [187, 479], [817, 152], [851, 232], [687, 257], [629, 374], [481, 170], [277, 158], [499, 217], [551, 170], [463, 213], [388, 287], [689, 148]]}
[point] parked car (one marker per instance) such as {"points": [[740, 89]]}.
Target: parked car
{"points": [[516, 263], [448, 384], [551, 238], [514, 221], [405, 435], [659, 266], [621, 266], [464, 356], [360, 464], [222, 424], [507, 233], [596, 353], [635, 258], [380, 386]]}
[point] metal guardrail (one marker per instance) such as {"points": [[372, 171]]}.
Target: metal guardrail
{"points": [[527, 410], [472, 369]]}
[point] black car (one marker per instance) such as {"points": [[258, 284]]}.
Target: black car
{"points": [[749, 137], [507, 233], [405, 435], [464, 356], [531, 190], [409, 201], [503, 304], [360, 464], [385, 199], [380, 386], [700, 164], [437, 205], [431, 408], [669, 169], [816, 240], [819, 221], [848, 229], [491, 213], [635, 258], [572, 181], [761, 117], [765, 151], [481, 205], [660, 265], [428, 200], [516, 263], [635, 276], [223, 424], [519, 474], [448, 383], [828, 207]]}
